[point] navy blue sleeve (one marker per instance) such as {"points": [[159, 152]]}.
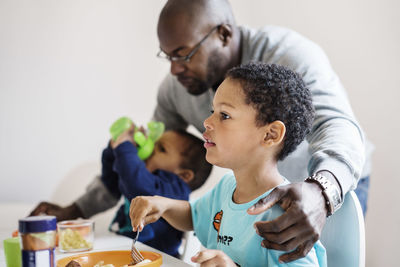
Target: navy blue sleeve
{"points": [[108, 176], [136, 180]]}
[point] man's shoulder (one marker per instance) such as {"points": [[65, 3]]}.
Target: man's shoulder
{"points": [[266, 32], [275, 43]]}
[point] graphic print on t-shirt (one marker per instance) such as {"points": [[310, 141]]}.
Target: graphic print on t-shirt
{"points": [[223, 239], [217, 220]]}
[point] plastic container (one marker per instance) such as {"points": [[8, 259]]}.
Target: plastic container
{"points": [[75, 235], [38, 239], [12, 252]]}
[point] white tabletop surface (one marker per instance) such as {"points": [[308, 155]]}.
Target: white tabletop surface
{"points": [[116, 242], [11, 212]]}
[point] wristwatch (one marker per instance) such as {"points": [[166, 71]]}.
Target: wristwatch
{"points": [[330, 192]]}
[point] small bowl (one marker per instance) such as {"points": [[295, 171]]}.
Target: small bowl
{"points": [[118, 258], [75, 235]]}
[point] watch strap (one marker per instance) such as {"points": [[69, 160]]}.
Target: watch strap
{"points": [[330, 192]]}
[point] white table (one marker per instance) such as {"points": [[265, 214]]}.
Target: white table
{"points": [[11, 212], [115, 242]]}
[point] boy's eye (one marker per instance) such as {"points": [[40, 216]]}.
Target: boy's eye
{"points": [[224, 116], [161, 148], [212, 111]]}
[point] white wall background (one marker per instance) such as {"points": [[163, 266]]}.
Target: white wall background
{"points": [[68, 69]]}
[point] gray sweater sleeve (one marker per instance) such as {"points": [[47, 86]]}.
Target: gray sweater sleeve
{"points": [[96, 199], [336, 139]]}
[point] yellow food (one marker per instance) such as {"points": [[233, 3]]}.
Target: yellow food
{"points": [[72, 239]]}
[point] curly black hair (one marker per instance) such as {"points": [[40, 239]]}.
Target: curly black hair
{"points": [[277, 93]]}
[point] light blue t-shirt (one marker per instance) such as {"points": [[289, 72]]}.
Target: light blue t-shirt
{"points": [[221, 224]]}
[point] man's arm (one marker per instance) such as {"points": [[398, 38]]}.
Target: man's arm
{"points": [[96, 199], [336, 145], [336, 140], [70, 212]]}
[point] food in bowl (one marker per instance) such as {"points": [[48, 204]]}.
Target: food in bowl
{"points": [[75, 235]]}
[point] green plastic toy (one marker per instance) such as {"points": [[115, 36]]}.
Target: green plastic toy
{"points": [[145, 144]]}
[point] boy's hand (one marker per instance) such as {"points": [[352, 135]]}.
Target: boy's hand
{"points": [[212, 257], [145, 210], [125, 136]]}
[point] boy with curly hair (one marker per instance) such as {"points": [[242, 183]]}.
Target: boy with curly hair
{"points": [[261, 113]]}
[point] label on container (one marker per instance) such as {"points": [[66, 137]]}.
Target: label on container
{"points": [[39, 258]]}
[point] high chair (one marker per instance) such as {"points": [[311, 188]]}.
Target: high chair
{"points": [[344, 235]]}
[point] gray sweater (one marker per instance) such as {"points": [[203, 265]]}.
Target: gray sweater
{"points": [[336, 142]]}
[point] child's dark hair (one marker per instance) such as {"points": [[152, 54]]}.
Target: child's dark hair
{"points": [[277, 93], [194, 158]]}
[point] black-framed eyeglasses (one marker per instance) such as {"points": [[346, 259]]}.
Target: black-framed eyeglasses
{"points": [[162, 54]]}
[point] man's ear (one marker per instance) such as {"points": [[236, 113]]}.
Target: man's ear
{"points": [[225, 33], [186, 175], [274, 133]]}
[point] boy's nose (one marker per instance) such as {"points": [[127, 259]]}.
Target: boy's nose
{"points": [[207, 123]]}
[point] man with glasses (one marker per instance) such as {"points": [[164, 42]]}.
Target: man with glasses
{"points": [[201, 41]]}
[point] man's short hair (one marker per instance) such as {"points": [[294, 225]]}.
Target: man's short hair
{"points": [[277, 93], [194, 158]]}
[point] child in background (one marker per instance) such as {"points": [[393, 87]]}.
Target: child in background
{"points": [[261, 113], [176, 167]]}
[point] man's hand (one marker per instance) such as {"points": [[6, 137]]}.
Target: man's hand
{"points": [[211, 257], [301, 224], [145, 210], [62, 213]]}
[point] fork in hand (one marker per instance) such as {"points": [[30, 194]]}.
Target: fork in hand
{"points": [[135, 254]]}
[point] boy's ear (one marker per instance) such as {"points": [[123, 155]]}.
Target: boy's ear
{"points": [[274, 133], [186, 175]]}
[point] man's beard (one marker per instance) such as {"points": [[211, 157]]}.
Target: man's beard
{"points": [[198, 87]]}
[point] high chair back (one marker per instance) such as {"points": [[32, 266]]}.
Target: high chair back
{"points": [[344, 235]]}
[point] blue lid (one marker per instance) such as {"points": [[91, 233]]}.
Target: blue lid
{"points": [[37, 224]]}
